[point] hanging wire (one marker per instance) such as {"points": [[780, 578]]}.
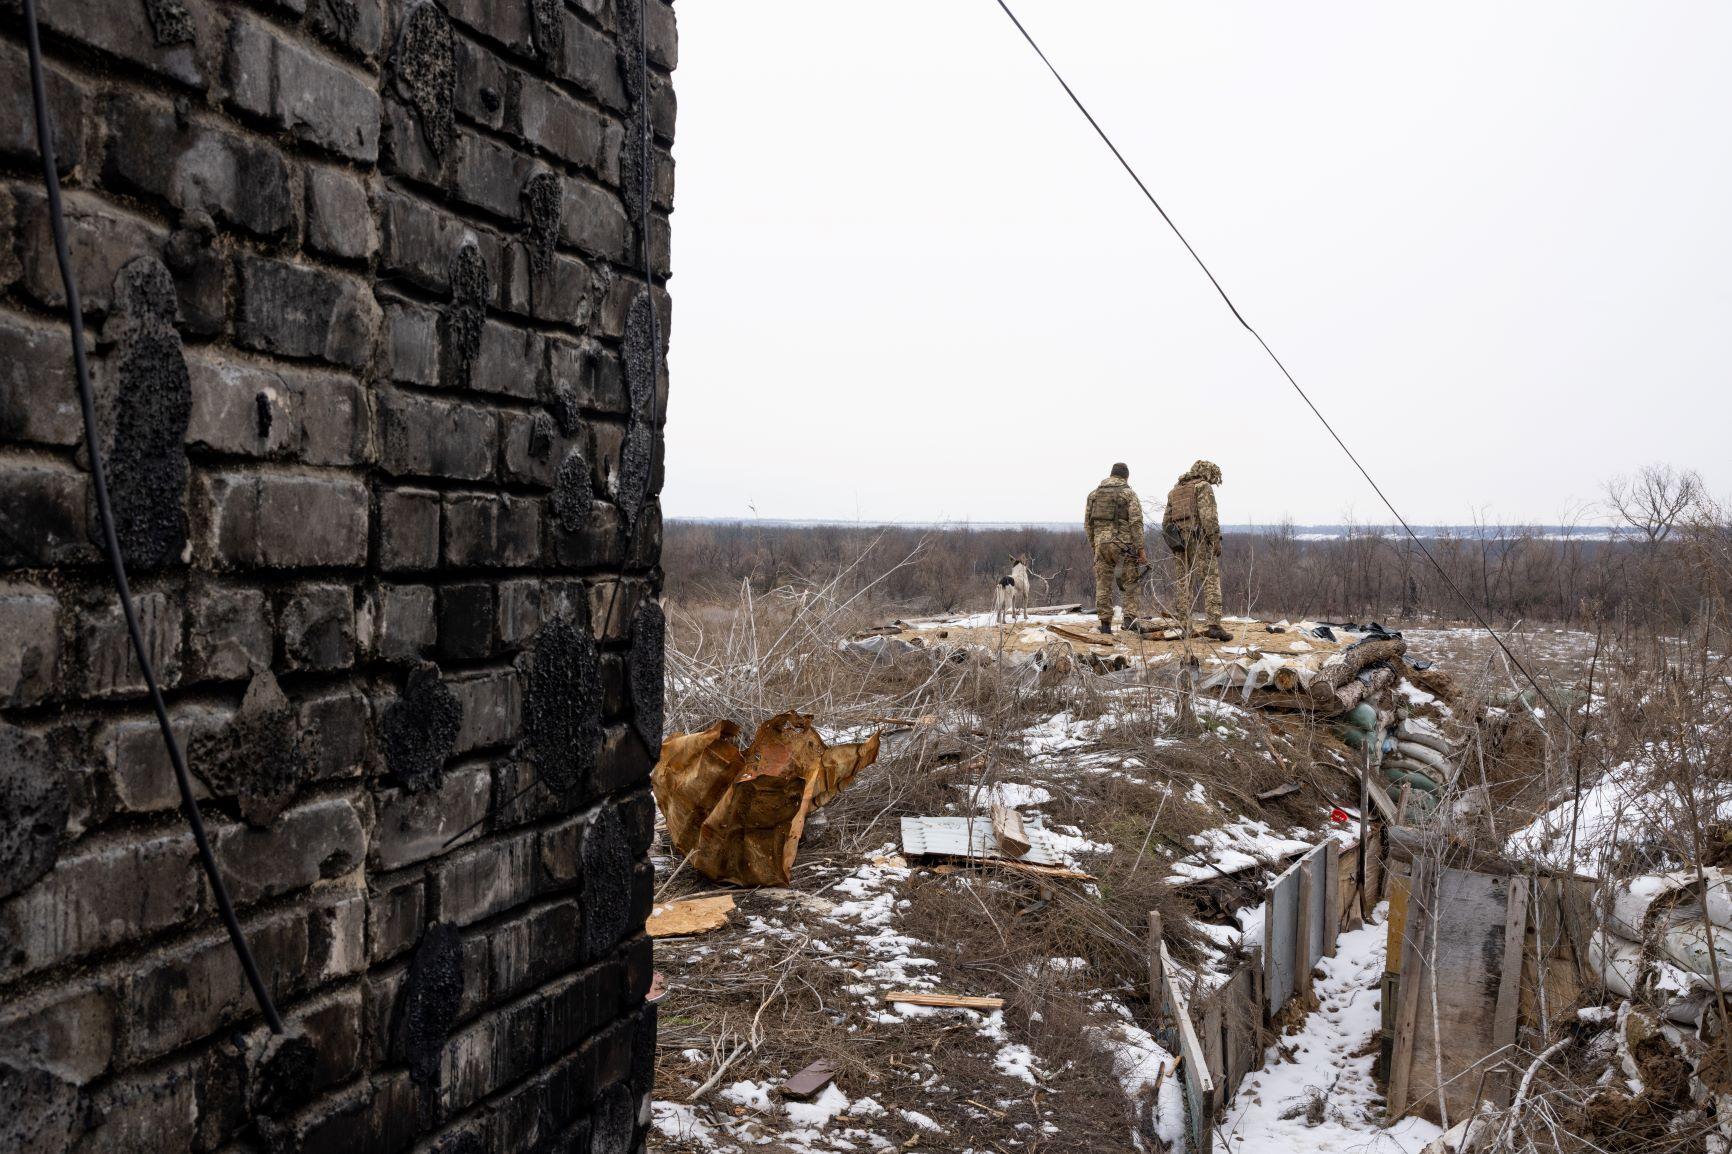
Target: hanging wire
{"points": [[1238, 316]]}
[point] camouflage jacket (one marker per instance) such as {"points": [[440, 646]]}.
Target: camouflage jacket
{"points": [[1114, 513]]}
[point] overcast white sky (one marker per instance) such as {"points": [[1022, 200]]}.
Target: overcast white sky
{"points": [[1493, 240]]}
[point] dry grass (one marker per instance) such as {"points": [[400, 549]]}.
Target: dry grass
{"points": [[761, 988]]}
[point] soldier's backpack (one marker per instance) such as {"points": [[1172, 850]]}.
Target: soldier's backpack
{"points": [[1179, 524]]}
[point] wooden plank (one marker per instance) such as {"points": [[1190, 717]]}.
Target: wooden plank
{"points": [[1280, 939], [1213, 1047], [1008, 832], [1200, 1093], [1302, 931], [1156, 954], [693, 916], [1380, 798], [1467, 932], [1331, 897], [1414, 927], [810, 1080], [1103, 639], [957, 1001], [1399, 885], [1509, 991]]}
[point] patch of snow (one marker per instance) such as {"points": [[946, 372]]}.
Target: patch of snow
{"points": [[1328, 1060], [1013, 794], [920, 1120], [817, 1113]]}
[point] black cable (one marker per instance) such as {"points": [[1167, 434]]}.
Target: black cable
{"points": [[74, 313], [1234, 309]]}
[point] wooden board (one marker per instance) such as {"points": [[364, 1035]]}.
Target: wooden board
{"points": [[1507, 1008], [1466, 925], [810, 1080], [1332, 902], [1280, 939], [1007, 830], [955, 1001], [696, 916], [1200, 1092]]}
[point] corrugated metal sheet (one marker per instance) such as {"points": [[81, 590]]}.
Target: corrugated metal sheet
{"points": [[970, 837]]}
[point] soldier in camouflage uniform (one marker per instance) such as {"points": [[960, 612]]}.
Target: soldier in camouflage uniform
{"points": [[1192, 529], [1113, 520]]}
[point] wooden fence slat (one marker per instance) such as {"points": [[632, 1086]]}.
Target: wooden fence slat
{"points": [[1156, 971], [1509, 988], [1331, 896], [1415, 926]]}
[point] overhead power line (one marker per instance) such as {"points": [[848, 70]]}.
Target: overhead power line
{"points": [[1240, 317]]}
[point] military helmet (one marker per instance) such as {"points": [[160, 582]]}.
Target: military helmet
{"points": [[1206, 471]]}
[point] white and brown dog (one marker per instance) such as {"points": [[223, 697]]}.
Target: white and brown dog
{"points": [[1011, 592]]}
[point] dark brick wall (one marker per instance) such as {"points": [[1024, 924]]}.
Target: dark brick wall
{"points": [[381, 411]]}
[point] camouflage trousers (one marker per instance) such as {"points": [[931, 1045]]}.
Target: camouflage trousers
{"points": [[1112, 555], [1197, 584]]}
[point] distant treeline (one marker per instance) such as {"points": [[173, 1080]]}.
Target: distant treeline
{"points": [[1509, 573]]}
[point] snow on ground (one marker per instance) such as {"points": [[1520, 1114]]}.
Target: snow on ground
{"points": [[1315, 1094], [1626, 814]]}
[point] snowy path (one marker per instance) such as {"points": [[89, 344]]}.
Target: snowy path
{"points": [[1316, 1094]]}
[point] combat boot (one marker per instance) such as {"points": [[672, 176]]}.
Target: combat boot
{"points": [[1106, 625], [1217, 632]]}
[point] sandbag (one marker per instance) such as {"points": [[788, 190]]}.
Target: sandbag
{"points": [[1362, 717], [1410, 777], [1687, 946], [1423, 733], [1633, 902], [1616, 961], [1425, 755], [1717, 902]]}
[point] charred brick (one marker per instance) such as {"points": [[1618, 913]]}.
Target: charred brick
{"points": [[572, 492], [431, 994], [468, 620], [339, 220], [425, 71], [648, 636], [563, 704], [33, 807], [420, 729], [607, 883], [301, 311], [238, 180], [262, 757], [230, 636], [318, 626], [467, 312], [541, 210], [408, 529], [147, 467], [640, 356], [30, 665]]}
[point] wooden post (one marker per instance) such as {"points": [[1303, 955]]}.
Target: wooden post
{"points": [[1422, 892], [1361, 883], [1331, 896], [1509, 987], [1157, 978], [1302, 960]]}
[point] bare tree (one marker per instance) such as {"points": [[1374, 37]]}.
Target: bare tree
{"points": [[1656, 500]]}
